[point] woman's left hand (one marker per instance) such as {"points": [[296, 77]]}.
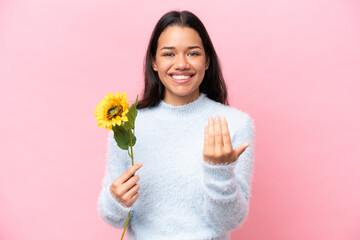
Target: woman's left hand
{"points": [[217, 143]]}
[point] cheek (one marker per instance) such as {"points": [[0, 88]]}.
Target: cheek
{"points": [[163, 70], [199, 64], [201, 68], [163, 66]]}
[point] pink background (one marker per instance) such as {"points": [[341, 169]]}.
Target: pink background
{"points": [[294, 66]]}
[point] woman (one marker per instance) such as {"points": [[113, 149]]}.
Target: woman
{"points": [[194, 185]]}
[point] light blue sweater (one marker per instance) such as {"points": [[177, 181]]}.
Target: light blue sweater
{"points": [[181, 196]]}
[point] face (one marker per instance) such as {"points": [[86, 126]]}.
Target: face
{"points": [[181, 64]]}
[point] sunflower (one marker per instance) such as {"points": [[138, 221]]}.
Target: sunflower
{"points": [[112, 110]]}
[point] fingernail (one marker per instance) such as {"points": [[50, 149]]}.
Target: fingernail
{"points": [[222, 119], [216, 118], [140, 164]]}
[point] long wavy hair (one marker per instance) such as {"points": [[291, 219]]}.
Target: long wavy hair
{"points": [[213, 84]]}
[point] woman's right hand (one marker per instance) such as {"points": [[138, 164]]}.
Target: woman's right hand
{"points": [[124, 188]]}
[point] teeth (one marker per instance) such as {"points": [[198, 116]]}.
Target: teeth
{"points": [[180, 77]]}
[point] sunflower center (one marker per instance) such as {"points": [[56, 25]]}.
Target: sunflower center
{"points": [[114, 112]]}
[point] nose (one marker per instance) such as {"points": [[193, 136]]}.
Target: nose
{"points": [[181, 62]]}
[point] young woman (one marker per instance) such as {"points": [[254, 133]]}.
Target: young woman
{"points": [[196, 152]]}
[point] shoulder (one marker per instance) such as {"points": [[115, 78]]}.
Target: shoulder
{"points": [[237, 119], [147, 113]]}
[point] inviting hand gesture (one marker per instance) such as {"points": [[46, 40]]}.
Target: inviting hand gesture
{"points": [[217, 143]]}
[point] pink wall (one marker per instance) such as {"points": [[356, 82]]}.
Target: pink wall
{"points": [[292, 65]]}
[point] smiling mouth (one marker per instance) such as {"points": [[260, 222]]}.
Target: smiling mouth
{"points": [[181, 77]]}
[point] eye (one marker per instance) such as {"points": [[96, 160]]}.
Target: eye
{"points": [[194, 54], [168, 54]]}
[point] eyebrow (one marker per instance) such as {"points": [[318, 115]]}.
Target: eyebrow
{"points": [[191, 47]]}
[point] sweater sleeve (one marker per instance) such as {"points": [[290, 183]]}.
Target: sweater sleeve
{"points": [[110, 210], [227, 186]]}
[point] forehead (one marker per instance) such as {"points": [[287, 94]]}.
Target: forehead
{"points": [[178, 37]]}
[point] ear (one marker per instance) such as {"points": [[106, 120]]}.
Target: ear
{"points": [[207, 63], [153, 64]]}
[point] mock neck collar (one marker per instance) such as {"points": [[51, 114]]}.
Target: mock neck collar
{"points": [[191, 108]]}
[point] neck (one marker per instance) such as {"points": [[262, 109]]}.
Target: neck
{"points": [[181, 100]]}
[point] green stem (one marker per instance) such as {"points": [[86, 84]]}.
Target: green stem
{"points": [[132, 154], [125, 225], [132, 161]]}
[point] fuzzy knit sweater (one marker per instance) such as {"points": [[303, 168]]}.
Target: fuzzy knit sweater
{"points": [[181, 196]]}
